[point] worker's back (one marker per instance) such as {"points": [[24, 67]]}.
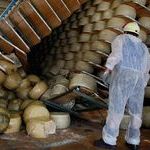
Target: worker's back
{"points": [[134, 53]]}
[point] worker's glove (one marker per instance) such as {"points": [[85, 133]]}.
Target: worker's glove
{"points": [[106, 77]]}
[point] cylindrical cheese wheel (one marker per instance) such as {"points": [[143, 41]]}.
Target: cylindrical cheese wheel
{"points": [[96, 2], [75, 47], [40, 127], [61, 119], [12, 81], [9, 67], [60, 63], [35, 111], [98, 26], [26, 103], [103, 6], [2, 77], [116, 22], [143, 35], [83, 66], [78, 56], [83, 21], [115, 3], [126, 10], [146, 118], [4, 122], [72, 40], [58, 89], [72, 33], [145, 21], [14, 124], [96, 17], [91, 11], [69, 65], [101, 46], [83, 80], [85, 47], [88, 28], [15, 104], [107, 14], [38, 90], [107, 35], [92, 56], [33, 78], [84, 37], [69, 56]]}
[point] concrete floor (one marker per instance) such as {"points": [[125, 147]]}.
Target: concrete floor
{"points": [[79, 136]]}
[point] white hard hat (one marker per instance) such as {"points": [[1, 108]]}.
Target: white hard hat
{"points": [[132, 27]]}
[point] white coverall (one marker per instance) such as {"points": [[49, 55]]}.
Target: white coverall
{"points": [[130, 65]]}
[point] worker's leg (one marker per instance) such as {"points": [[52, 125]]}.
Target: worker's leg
{"points": [[123, 83], [135, 107]]}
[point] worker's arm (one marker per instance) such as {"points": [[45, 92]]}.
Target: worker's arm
{"points": [[116, 55]]}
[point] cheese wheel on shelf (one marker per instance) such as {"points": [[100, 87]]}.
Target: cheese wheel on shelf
{"points": [[107, 14], [84, 37], [88, 28], [96, 17], [143, 35], [90, 11], [40, 127], [145, 21], [61, 119], [103, 6], [98, 26]]}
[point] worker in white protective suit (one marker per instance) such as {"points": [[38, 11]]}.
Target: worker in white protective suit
{"points": [[129, 65]]}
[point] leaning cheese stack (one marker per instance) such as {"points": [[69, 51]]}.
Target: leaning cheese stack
{"points": [[14, 124], [38, 121]]}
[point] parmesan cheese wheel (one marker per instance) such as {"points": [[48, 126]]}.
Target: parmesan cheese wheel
{"points": [[103, 6], [145, 21], [146, 118], [101, 46], [96, 2], [107, 14], [58, 89], [9, 67], [61, 119], [14, 124], [98, 26], [25, 83], [69, 65], [88, 28], [84, 37], [107, 35], [12, 81], [92, 56], [116, 22], [143, 35], [15, 105], [62, 80], [75, 47], [83, 80], [23, 92], [38, 90], [4, 122], [40, 127], [116, 3], [35, 111], [126, 10], [73, 40], [26, 103], [96, 17], [83, 66], [69, 56], [2, 77], [72, 33], [60, 63], [83, 21], [91, 11], [86, 46], [78, 56], [33, 78]]}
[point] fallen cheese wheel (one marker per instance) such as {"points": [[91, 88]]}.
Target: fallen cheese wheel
{"points": [[40, 127], [38, 90], [12, 81], [26, 103], [4, 122], [146, 116], [33, 78], [4, 111], [15, 104], [9, 67], [34, 111], [2, 77], [61, 119], [3, 103], [22, 93], [14, 124]]}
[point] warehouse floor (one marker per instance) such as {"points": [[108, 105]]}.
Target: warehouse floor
{"points": [[79, 136]]}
